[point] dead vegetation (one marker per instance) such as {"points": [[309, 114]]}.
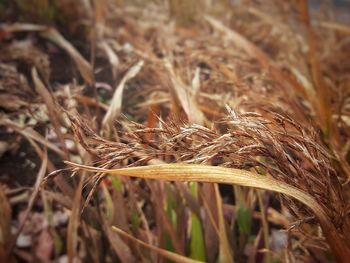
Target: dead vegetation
{"points": [[100, 97]]}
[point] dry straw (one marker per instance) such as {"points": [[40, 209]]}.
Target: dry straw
{"points": [[271, 152]]}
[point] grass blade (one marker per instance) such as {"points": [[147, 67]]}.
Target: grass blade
{"points": [[116, 104], [50, 105], [225, 253], [5, 225]]}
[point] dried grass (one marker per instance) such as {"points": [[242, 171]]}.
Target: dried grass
{"points": [[230, 93], [276, 146]]}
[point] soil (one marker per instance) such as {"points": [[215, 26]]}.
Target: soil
{"points": [[18, 166]]}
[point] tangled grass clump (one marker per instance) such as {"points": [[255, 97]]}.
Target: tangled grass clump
{"points": [[270, 144]]}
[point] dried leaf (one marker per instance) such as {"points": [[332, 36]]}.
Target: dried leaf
{"points": [[18, 27], [196, 81], [184, 97], [112, 57], [116, 104]]}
